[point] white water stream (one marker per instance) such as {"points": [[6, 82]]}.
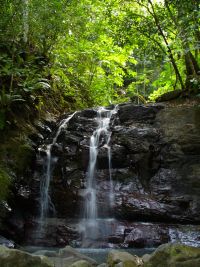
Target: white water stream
{"points": [[100, 137], [45, 199]]}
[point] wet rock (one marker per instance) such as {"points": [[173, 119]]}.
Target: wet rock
{"points": [[102, 265], [116, 239], [149, 166], [172, 255], [119, 156], [132, 206], [69, 251], [169, 96], [47, 253], [55, 233], [155, 173], [68, 138], [138, 235], [163, 182], [43, 128], [81, 263], [7, 243], [89, 113], [185, 234], [147, 236], [78, 123], [146, 257], [124, 259], [15, 227], [130, 112], [17, 258], [37, 138], [145, 207]]}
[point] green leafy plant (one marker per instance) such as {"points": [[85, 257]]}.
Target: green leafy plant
{"points": [[6, 100], [87, 53]]}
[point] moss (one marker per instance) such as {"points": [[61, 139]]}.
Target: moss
{"points": [[17, 258], [4, 183], [184, 253], [174, 255], [16, 154], [81, 263], [22, 156], [125, 259]]}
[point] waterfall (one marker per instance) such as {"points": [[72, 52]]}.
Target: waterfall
{"points": [[45, 200], [100, 138]]}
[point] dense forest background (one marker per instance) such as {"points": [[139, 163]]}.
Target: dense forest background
{"points": [[74, 54]]}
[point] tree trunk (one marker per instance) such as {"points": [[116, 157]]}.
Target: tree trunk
{"points": [[170, 54], [192, 73], [191, 64], [192, 67]]}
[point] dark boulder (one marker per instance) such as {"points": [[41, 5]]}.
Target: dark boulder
{"points": [[137, 113], [172, 255], [145, 235]]}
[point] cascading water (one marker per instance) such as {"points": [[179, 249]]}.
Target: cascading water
{"points": [[100, 137], [45, 199]]}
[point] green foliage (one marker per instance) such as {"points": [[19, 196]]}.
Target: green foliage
{"points": [[88, 62], [6, 101], [133, 93], [160, 91], [75, 54]]}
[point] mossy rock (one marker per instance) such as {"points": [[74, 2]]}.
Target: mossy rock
{"points": [[23, 157], [71, 252], [174, 255], [81, 263], [124, 259], [17, 258], [169, 96], [17, 154]]}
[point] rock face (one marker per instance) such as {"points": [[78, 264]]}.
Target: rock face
{"points": [[155, 161], [155, 170]]}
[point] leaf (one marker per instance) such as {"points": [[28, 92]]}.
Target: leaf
{"points": [[44, 85]]}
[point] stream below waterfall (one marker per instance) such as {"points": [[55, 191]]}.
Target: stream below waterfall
{"points": [[99, 255]]}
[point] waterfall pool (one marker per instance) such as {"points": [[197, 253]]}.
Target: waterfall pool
{"points": [[98, 254]]}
